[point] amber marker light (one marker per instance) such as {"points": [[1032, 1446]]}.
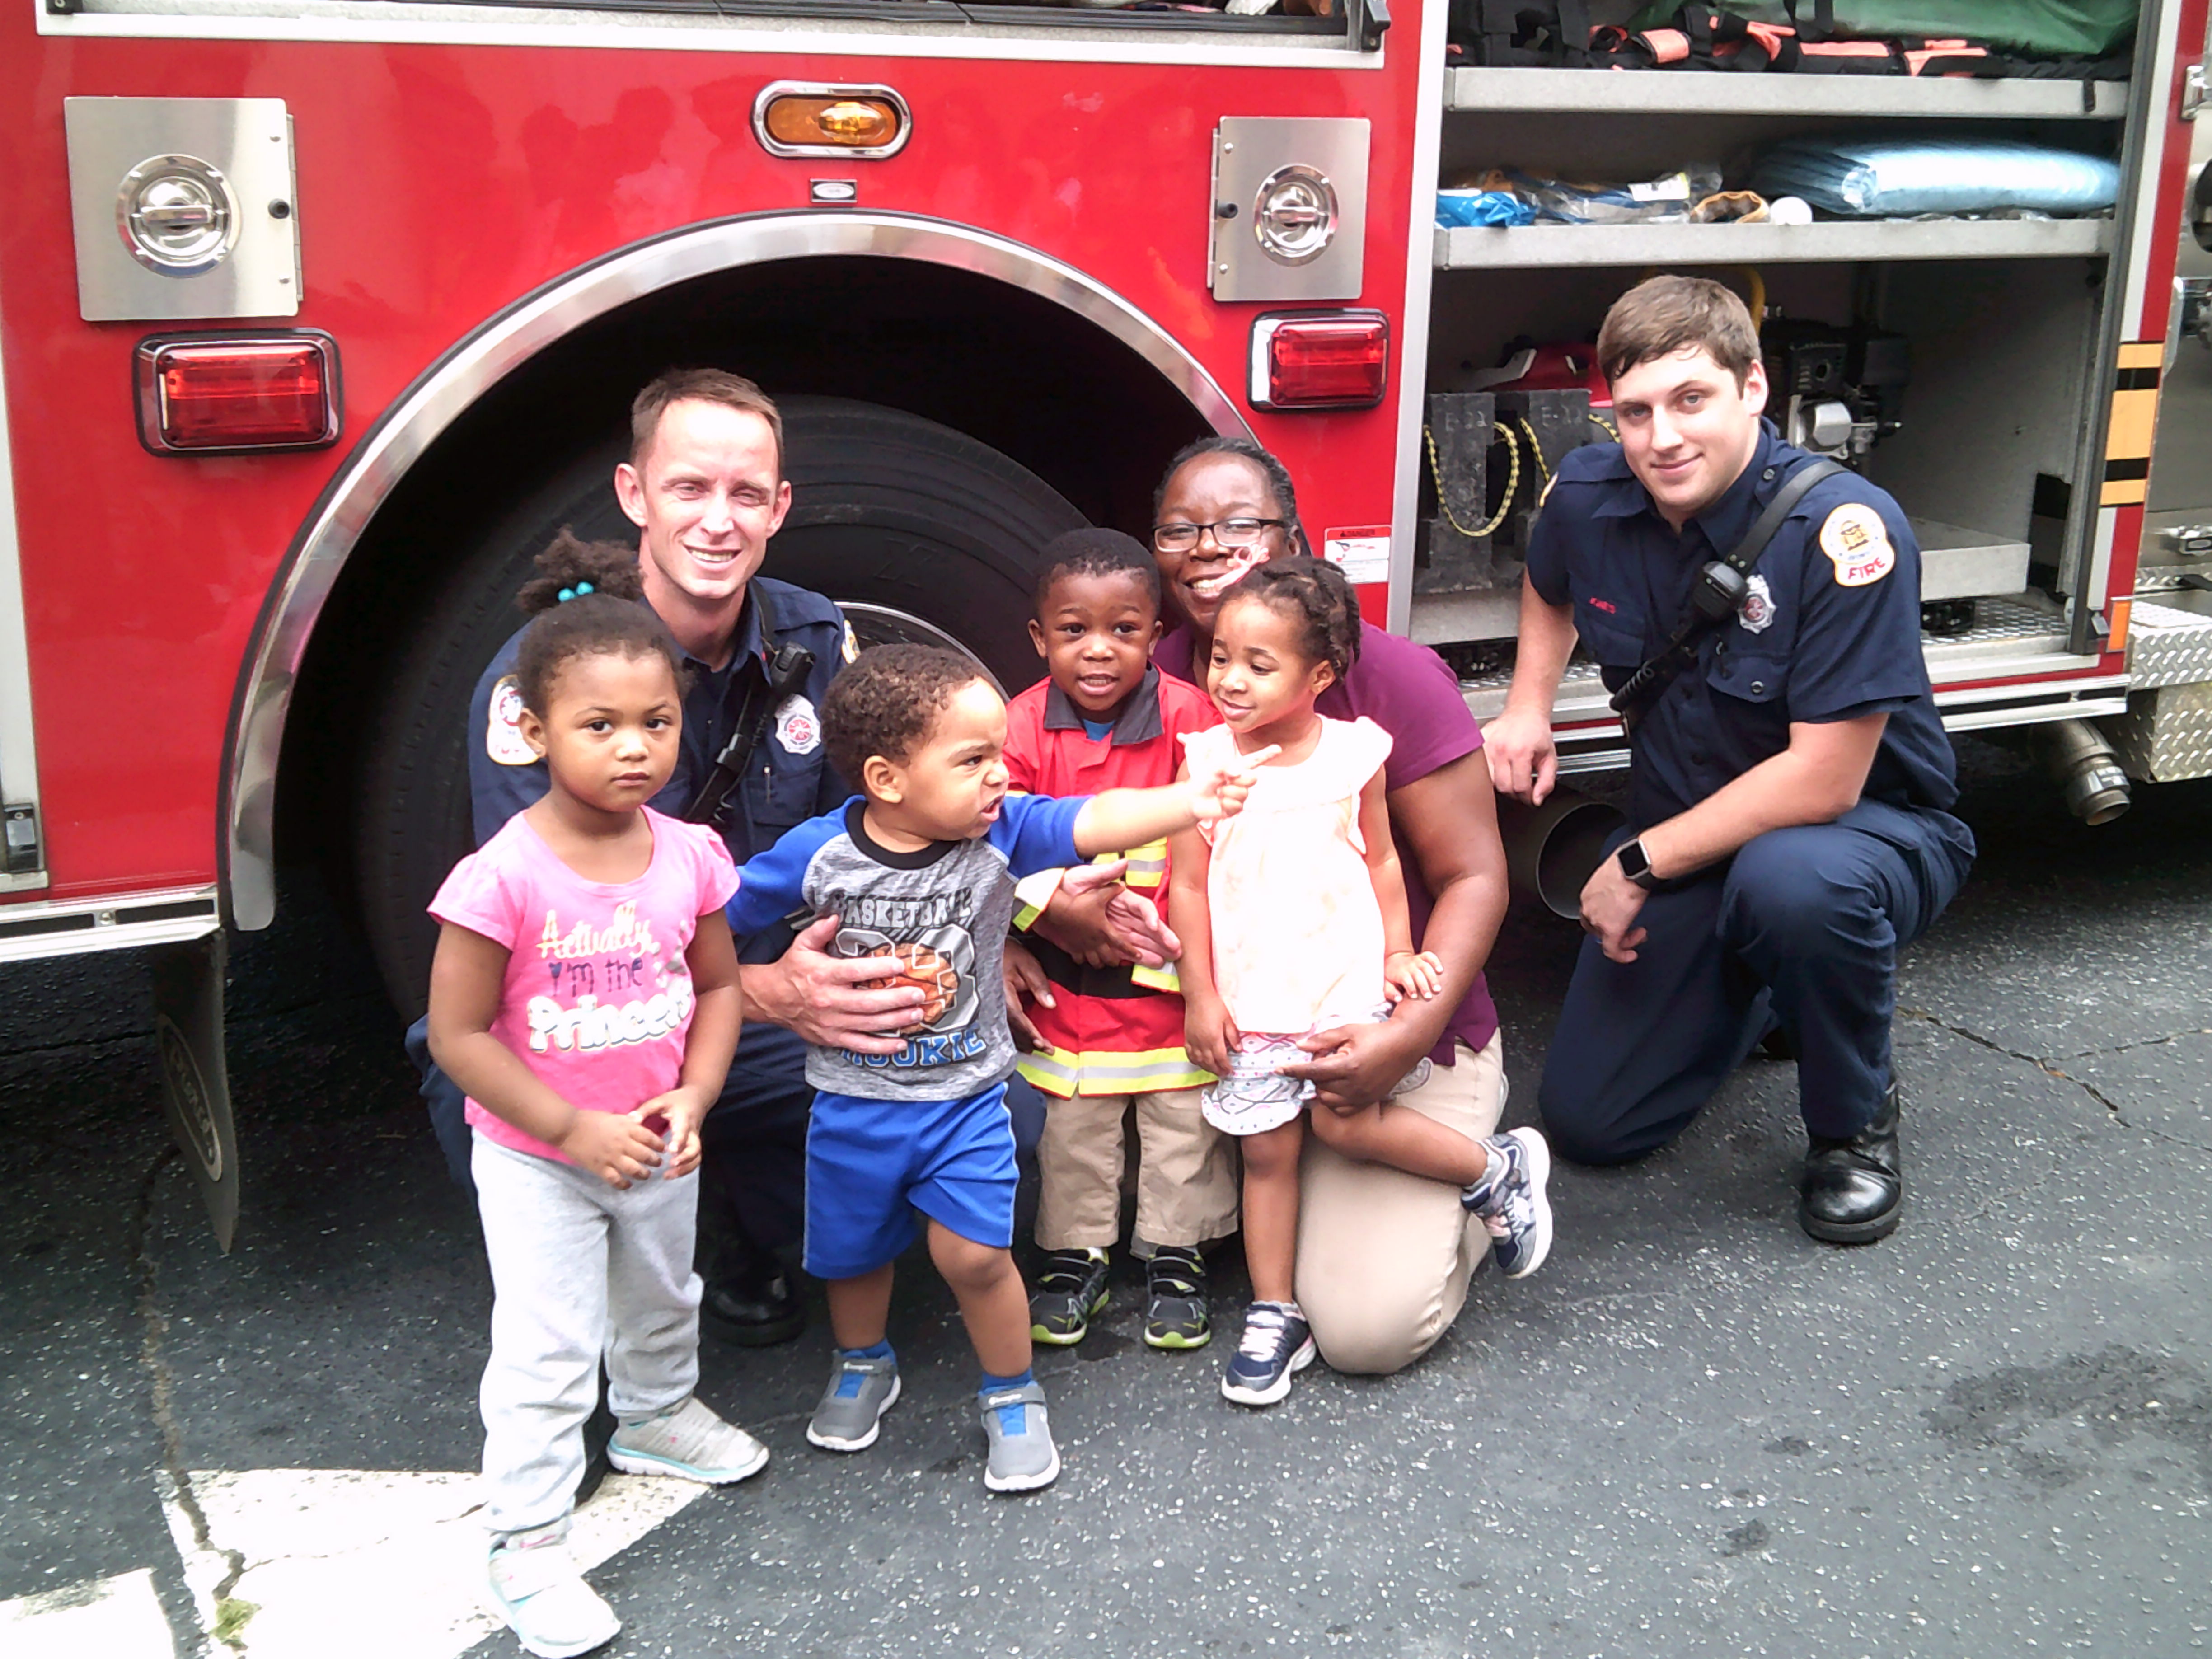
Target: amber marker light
{"points": [[213, 393], [792, 118]]}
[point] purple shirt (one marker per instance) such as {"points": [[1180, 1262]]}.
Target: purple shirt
{"points": [[1407, 689]]}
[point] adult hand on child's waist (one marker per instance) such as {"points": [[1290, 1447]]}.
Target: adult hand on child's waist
{"points": [[818, 995], [1355, 1066]]}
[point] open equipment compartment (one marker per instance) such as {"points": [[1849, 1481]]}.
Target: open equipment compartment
{"points": [[2007, 325]]}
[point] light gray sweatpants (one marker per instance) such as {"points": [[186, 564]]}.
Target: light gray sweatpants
{"points": [[579, 1269]]}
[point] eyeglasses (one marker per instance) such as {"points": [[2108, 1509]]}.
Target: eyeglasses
{"points": [[1234, 534]]}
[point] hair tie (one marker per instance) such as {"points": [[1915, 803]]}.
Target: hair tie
{"points": [[575, 593]]}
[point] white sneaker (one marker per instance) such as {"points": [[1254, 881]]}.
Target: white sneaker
{"points": [[544, 1598], [689, 1442]]}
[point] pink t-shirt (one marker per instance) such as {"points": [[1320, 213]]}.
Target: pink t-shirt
{"points": [[1298, 932], [597, 997]]}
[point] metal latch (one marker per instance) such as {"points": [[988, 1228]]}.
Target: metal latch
{"points": [[22, 838], [2193, 91]]}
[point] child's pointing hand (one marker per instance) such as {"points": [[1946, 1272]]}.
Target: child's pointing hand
{"points": [[1217, 789]]}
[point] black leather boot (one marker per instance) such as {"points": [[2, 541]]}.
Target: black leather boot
{"points": [[756, 1307], [1852, 1191]]}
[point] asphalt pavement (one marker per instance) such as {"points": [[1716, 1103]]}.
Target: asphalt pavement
{"points": [[1694, 1432]]}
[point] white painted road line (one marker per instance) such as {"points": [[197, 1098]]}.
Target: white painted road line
{"points": [[117, 1618], [360, 1564]]}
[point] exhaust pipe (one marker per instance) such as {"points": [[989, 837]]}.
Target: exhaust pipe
{"points": [[1552, 850], [2085, 768]]}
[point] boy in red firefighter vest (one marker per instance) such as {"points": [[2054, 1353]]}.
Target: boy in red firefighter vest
{"points": [[1105, 717]]}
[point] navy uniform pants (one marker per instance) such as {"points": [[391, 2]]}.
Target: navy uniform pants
{"points": [[1801, 929]]}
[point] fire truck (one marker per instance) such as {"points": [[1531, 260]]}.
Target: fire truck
{"points": [[318, 317]]}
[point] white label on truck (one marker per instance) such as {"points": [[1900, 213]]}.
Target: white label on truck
{"points": [[1362, 552]]}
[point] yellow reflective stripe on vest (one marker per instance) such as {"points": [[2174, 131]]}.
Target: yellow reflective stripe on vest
{"points": [[1148, 865], [1053, 1072], [1163, 978], [1060, 1073]]}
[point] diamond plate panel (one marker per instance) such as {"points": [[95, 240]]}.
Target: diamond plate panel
{"points": [[2165, 736], [2167, 647]]}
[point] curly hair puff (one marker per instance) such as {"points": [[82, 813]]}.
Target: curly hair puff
{"points": [[1313, 594], [610, 620]]}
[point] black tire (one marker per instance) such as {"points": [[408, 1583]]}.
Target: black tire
{"points": [[888, 510]]}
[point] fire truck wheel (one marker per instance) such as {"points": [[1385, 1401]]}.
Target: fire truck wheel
{"points": [[889, 511]]}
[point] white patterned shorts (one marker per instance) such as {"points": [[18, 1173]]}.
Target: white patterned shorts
{"points": [[1255, 1096]]}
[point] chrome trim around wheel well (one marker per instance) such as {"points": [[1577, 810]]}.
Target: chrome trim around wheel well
{"points": [[407, 430]]}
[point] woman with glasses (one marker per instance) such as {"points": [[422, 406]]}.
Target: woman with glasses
{"points": [[1384, 1257]]}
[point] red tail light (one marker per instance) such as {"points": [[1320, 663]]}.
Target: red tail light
{"points": [[219, 393], [1320, 359]]}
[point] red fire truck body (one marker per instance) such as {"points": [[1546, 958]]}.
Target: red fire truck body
{"points": [[489, 224], [439, 185]]}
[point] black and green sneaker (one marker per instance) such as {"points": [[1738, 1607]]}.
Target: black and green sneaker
{"points": [[1071, 1292], [1175, 1300]]}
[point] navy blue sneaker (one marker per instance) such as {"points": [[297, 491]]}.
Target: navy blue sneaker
{"points": [[1277, 1344], [1510, 1202]]}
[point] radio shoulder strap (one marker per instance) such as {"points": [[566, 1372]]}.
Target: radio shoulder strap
{"points": [[785, 670], [1650, 682]]}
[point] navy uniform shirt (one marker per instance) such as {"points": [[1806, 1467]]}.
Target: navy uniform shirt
{"points": [[1830, 631], [788, 780]]}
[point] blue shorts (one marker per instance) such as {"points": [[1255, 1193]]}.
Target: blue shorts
{"points": [[871, 1164]]}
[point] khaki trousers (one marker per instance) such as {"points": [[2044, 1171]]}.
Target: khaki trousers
{"points": [[1187, 1180], [1384, 1257]]}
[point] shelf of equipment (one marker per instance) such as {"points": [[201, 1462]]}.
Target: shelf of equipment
{"points": [[1663, 93], [1841, 241]]}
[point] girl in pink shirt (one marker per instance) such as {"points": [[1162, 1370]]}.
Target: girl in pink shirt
{"points": [[584, 994], [1293, 920]]}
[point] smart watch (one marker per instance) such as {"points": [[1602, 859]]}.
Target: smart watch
{"points": [[1635, 865]]}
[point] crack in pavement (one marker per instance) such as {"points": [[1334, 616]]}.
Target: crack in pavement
{"points": [[162, 1382], [2143, 1042], [2037, 1061]]}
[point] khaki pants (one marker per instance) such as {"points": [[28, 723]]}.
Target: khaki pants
{"points": [[1187, 1181], [1384, 1257]]}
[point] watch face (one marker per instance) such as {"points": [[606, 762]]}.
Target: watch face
{"points": [[1634, 864]]}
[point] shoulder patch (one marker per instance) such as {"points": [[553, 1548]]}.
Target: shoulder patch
{"points": [[852, 650], [797, 727], [503, 728], [1856, 542]]}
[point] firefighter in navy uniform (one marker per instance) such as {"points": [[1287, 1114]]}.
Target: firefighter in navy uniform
{"points": [[1787, 831], [705, 486]]}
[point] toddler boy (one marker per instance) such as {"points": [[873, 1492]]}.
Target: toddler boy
{"points": [[1113, 1035], [916, 869]]}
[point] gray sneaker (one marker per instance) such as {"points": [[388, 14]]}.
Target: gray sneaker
{"points": [[860, 1391], [1023, 1456]]}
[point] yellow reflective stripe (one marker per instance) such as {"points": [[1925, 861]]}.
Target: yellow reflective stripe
{"points": [[1032, 893], [1148, 865], [1165, 978], [1156, 1071], [1055, 1071], [1153, 1071]]}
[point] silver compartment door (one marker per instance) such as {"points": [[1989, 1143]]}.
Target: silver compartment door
{"points": [[1290, 208], [183, 208]]}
